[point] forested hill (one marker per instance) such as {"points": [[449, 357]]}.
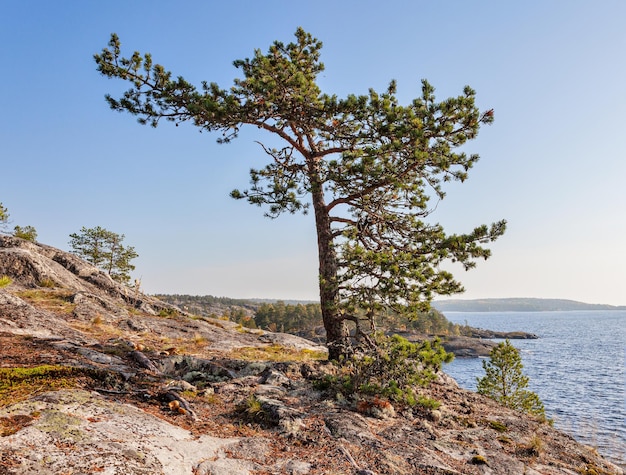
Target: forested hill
{"points": [[518, 305]]}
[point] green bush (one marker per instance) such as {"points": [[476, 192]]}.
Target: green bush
{"points": [[168, 312], [427, 402], [252, 410], [394, 369]]}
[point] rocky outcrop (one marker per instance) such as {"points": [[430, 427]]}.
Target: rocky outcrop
{"points": [[125, 384], [478, 342], [466, 347], [481, 333], [89, 434], [56, 294], [33, 265], [267, 418]]}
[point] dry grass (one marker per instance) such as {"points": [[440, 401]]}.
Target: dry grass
{"points": [[47, 283], [51, 300], [99, 329], [276, 353]]}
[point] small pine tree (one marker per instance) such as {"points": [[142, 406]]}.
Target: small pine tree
{"points": [[28, 233], [104, 249], [505, 382], [4, 216]]}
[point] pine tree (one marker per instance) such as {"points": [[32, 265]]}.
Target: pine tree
{"points": [[366, 165], [104, 249], [28, 233], [505, 382], [4, 216]]}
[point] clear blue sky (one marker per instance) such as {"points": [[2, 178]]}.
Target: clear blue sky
{"points": [[553, 164]]}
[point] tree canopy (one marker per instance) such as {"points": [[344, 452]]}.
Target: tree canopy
{"points": [[104, 249], [368, 167]]}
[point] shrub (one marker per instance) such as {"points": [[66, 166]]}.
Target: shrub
{"points": [[427, 402], [168, 312], [252, 410], [395, 369]]}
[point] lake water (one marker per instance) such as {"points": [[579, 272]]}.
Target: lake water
{"points": [[577, 367]]}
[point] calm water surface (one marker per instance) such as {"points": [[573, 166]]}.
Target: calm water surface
{"points": [[577, 367]]}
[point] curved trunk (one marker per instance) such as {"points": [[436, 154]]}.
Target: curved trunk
{"points": [[337, 337]]}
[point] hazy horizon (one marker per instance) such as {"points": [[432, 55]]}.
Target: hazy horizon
{"points": [[439, 299]]}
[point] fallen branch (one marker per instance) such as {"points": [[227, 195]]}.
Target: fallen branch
{"points": [[359, 470], [109, 391]]}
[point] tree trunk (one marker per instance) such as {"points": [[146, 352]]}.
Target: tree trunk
{"points": [[337, 336]]}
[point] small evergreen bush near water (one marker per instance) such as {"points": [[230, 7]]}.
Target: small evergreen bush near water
{"points": [[505, 382], [394, 370]]}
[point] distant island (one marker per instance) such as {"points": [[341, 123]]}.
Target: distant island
{"points": [[518, 305]]}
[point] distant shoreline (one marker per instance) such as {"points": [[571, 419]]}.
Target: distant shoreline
{"points": [[518, 305]]}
